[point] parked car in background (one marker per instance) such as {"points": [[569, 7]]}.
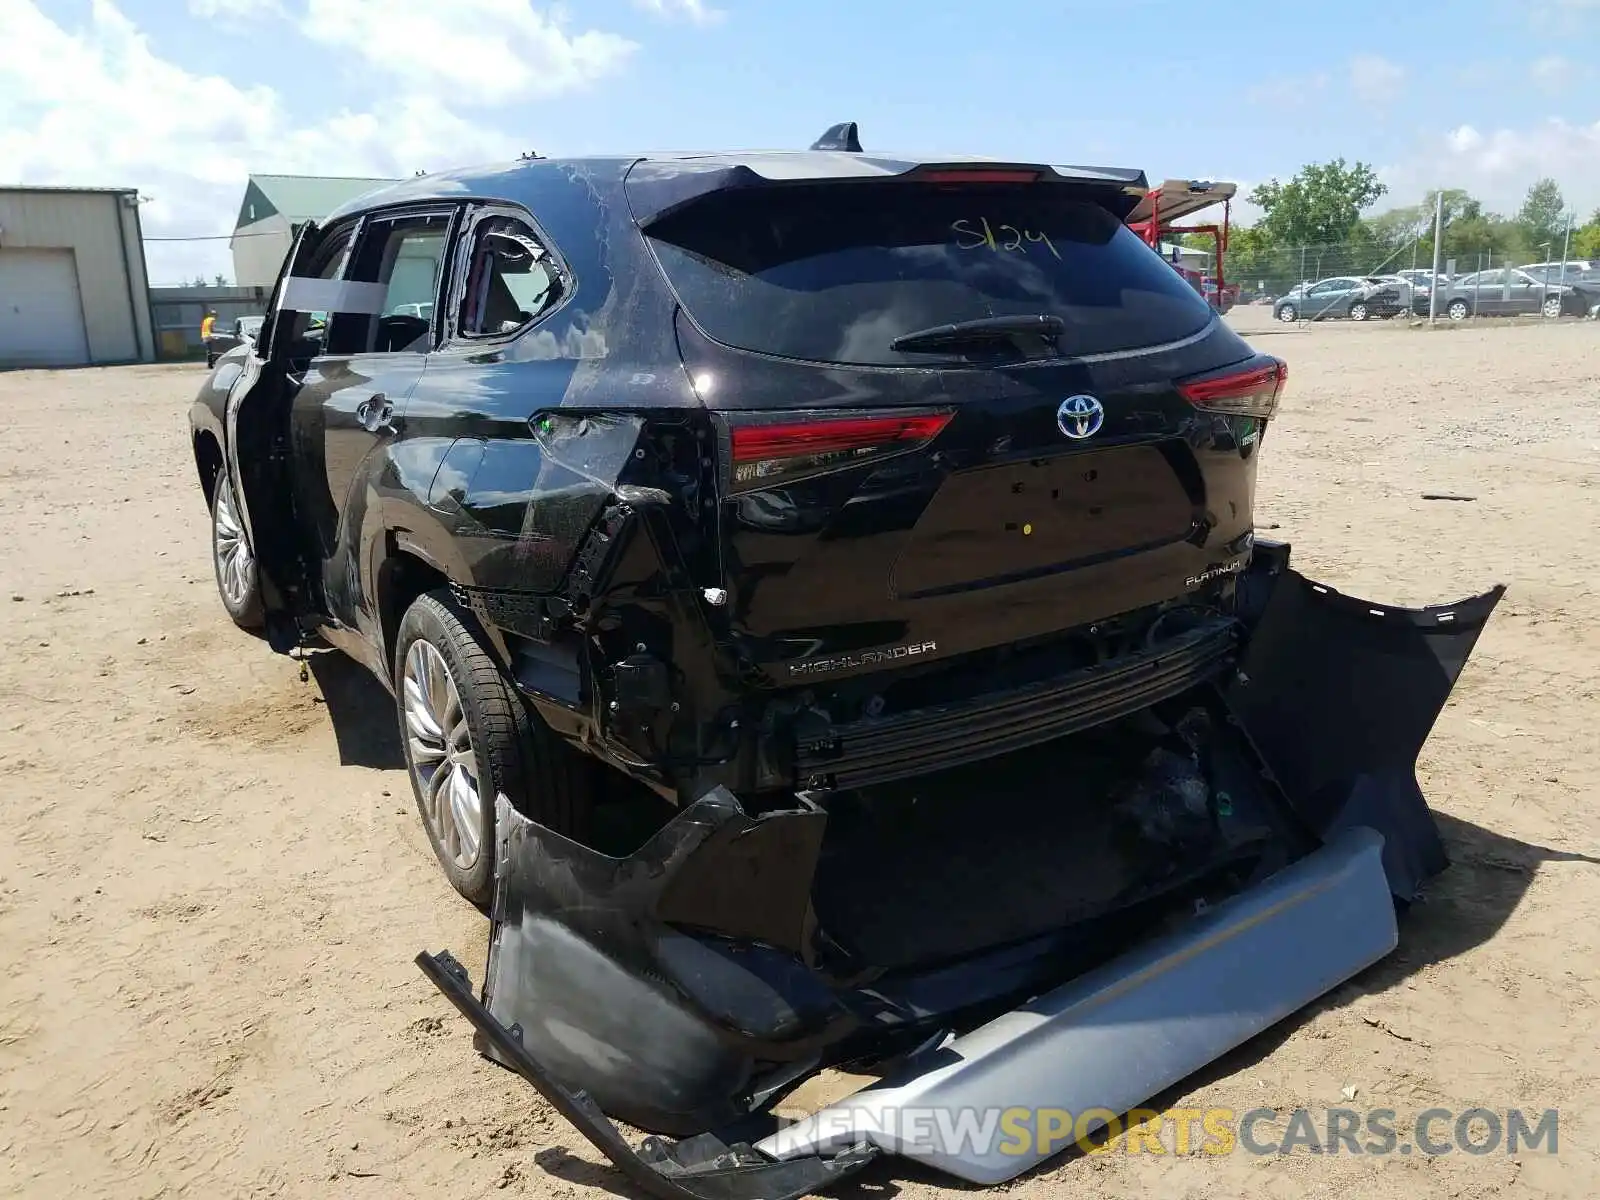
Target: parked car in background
{"points": [[1587, 288], [1344, 296], [1405, 290], [1559, 272], [1421, 277], [1507, 292], [243, 332]]}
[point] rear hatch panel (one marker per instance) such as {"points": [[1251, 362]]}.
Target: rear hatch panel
{"points": [[1071, 480], [1001, 529]]}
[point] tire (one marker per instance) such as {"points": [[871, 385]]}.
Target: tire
{"points": [[1287, 314], [1358, 310], [232, 560], [1551, 307], [462, 722], [1457, 310]]}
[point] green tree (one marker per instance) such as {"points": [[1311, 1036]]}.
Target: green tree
{"points": [[1586, 238], [1320, 205], [1405, 235], [1543, 217]]}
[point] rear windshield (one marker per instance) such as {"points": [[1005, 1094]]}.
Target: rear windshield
{"points": [[835, 273]]}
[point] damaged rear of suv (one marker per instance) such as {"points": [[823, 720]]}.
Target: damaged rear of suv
{"points": [[822, 603]]}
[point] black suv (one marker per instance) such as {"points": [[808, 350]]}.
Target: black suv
{"points": [[774, 470]]}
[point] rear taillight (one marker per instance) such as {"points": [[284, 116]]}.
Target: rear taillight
{"points": [[780, 450], [1251, 392]]}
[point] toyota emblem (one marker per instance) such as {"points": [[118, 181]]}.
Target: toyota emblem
{"points": [[1080, 417]]}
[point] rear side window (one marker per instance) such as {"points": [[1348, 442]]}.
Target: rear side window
{"points": [[835, 273], [512, 279]]}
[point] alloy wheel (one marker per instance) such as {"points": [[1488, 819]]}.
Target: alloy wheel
{"points": [[1552, 307], [1286, 314], [236, 563], [443, 763], [1358, 312]]}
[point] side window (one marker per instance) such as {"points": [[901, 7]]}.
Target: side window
{"points": [[512, 279], [1327, 286], [311, 328], [1491, 278], [403, 258]]}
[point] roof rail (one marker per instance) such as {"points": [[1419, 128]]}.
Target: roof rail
{"points": [[843, 136]]}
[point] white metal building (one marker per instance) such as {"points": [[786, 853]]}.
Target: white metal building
{"points": [[73, 287], [272, 211]]}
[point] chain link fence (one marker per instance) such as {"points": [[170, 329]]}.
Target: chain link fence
{"points": [[1344, 282]]}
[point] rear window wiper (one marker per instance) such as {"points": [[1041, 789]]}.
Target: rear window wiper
{"points": [[980, 332]]}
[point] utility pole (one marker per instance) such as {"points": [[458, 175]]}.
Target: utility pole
{"points": [[1566, 244], [1438, 250]]}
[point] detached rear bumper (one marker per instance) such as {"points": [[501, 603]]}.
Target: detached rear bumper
{"points": [[991, 1104], [680, 988]]}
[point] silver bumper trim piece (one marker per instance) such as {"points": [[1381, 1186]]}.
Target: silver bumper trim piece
{"points": [[1111, 1039]]}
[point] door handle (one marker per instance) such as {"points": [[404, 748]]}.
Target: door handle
{"points": [[375, 413]]}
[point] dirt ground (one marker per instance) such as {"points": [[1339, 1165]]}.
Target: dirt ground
{"points": [[216, 879]]}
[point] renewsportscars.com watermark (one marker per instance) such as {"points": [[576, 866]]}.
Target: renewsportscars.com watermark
{"points": [[1043, 1132]]}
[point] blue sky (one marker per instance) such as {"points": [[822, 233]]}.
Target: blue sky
{"points": [[183, 98]]}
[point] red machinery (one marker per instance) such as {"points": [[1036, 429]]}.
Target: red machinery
{"points": [[1154, 217]]}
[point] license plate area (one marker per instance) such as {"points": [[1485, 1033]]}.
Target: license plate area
{"points": [[1017, 520]]}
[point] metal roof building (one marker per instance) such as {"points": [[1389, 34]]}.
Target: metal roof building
{"points": [[273, 208], [73, 287]]}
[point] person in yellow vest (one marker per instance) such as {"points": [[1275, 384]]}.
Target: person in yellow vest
{"points": [[208, 329]]}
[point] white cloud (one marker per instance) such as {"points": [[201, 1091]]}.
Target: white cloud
{"points": [[96, 106], [1554, 74], [1560, 18], [1290, 91], [1498, 166], [471, 51], [697, 12], [232, 11], [1375, 80]]}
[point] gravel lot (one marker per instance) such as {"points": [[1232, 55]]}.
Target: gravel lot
{"points": [[215, 879]]}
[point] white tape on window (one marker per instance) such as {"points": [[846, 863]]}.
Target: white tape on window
{"points": [[302, 294]]}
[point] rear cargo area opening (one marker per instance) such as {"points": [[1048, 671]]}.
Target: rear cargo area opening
{"points": [[1132, 818]]}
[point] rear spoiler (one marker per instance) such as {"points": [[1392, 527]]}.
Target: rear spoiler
{"points": [[658, 188]]}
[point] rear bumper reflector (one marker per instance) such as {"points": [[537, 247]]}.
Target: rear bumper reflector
{"points": [[1111, 1039]]}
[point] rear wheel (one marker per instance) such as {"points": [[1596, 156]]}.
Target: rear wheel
{"points": [[238, 581], [1551, 306], [1287, 314], [469, 737], [1358, 311], [1458, 310]]}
